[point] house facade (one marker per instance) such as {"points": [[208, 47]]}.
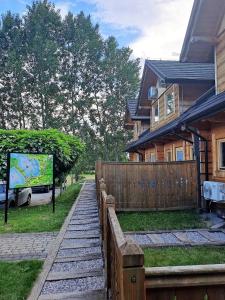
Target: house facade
{"points": [[186, 98]]}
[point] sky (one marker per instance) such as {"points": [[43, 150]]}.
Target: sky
{"points": [[153, 29]]}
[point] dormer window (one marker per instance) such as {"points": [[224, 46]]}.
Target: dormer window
{"points": [[170, 103]]}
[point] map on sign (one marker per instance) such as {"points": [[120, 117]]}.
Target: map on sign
{"points": [[27, 170]]}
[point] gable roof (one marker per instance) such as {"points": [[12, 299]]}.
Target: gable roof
{"points": [[176, 71], [206, 105], [204, 22], [132, 108]]}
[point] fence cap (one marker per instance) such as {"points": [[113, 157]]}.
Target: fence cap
{"points": [[132, 254]]}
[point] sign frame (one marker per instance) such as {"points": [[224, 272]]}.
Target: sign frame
{"points": [[8, 180]]}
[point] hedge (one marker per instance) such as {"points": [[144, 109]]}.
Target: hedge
{"points": [[65, 147]]}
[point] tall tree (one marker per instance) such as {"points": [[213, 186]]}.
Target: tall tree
{"points": [[42, 28]]}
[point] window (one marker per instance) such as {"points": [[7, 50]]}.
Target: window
{"points": [[169, 155], [170, 103], [179, 154], [152, 157], [156, 112], [192, 153], [221, 154]]}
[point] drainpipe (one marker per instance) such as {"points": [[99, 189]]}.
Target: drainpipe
{"points": [[198, 137]]}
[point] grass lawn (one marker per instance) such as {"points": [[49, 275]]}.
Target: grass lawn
{"points": [[40, 218], [87, 177], [17, 278], [180, 256], [166, 220]]}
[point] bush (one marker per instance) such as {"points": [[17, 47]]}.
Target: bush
{"points": [[66, 148]]}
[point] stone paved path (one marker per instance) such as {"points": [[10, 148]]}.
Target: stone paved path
{"points": [[74, 266], [19, 246], [178, 238]]}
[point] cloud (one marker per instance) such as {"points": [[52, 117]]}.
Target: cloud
{"points": [[64, 7], [161, 23]]}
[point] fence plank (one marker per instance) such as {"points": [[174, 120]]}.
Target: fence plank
{"points": [[151, 186]]}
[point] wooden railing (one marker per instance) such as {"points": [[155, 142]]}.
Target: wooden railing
{"points": [[127, 279], [124, 259]]}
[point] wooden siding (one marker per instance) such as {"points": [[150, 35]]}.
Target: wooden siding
{"points": [[218, 132], [163, 118], [151, 186], [220, 63]]}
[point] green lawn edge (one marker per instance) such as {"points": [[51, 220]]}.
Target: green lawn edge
{"points": [[160, 220], [40, 218]]}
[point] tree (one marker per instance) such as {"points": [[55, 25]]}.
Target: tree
{"points": [[119, 82], [42, 28]]}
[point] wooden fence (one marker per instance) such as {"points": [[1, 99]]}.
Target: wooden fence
{"points": [[127, 279], [150, 186]]}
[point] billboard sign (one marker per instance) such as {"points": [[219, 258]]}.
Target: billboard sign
{"points": [[28, 170]]}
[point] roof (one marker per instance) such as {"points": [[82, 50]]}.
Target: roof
{"points": [[132, 108], [208, 104], [176, 71], [204, 22]]}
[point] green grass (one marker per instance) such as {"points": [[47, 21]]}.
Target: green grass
{"points": [[17, 278], [180, 256], [87, 176], [40, 218], [166, 220]]}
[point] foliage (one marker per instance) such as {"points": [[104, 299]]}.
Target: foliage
{"points": [[181, 256], [65, 147], [164, 220], [40, 218], [17, 278], [61, 73]]}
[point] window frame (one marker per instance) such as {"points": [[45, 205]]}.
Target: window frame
{"points": [[219, 154], [152, 155], [171, 153], [154, 107], [166, 103]]}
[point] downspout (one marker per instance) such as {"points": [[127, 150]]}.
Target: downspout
{"points": [[197, 136]]}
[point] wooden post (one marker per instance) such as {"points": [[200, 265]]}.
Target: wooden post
{"points": [[98, 175], [102, 193], [110, 202], [133, 271]]}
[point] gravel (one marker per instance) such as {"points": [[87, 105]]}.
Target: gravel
{"points": [[74, 242], [73, 285], [141, 239], [88, 265], [216, 236], [195, 237], [169, 238], [78, 252], [76, 233]]}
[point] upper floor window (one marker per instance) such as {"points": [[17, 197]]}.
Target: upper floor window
{"points": [[156, 112], [170, 103], [221, 154]]}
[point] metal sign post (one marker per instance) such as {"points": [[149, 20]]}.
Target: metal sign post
{"points": [[7, 189], [53, 186]]}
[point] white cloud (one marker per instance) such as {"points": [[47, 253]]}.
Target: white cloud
{"points": [[161, 23], [64, 7]]}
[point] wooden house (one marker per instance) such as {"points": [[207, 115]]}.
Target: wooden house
{"points": [[187, 118]]}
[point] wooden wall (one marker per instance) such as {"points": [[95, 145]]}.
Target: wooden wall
{"points": [[163, 118], [151, 186], [220, 63], [218, 132]]}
